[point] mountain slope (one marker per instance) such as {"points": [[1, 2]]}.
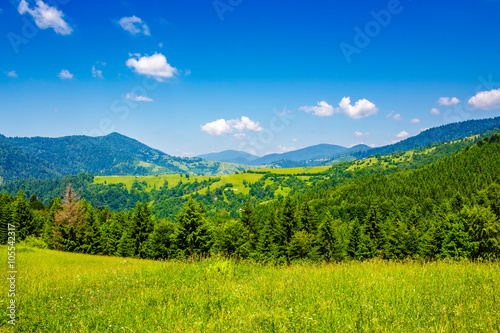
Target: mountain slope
{"points": [[113, 154], [17, 164], [444, 133], [230, 156], [308, 153]]}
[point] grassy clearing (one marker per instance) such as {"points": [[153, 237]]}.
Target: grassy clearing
{"points": [[235, 179], [294, 171], [63, 292], [150, 180], [158, 181]]}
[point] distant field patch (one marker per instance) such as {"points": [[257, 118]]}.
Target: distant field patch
{"points": [[294, 171]]}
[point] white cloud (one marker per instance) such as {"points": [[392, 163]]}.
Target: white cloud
{"points": [[135, 98], [155, 66], [486, 100], [245, 123], [402, 134], [222, 126], [294, 140], [415, 121], [322, 110], [398, 117], [435, 111], [97, 73], [12, 74], [362, 108], [361, 135], [134, 25], [447, 101], [46, 17], [160, 45], [217, 127], [390, 114], [65, 75]]}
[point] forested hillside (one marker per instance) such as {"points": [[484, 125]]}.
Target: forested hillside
{"points": [[443, 133], [430, 137], [450, 208], [113, 154], [230, 192]]}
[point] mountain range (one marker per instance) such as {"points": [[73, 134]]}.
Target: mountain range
{"points": [[316, 152], [113, 154], [326, 154], [116, 154]]}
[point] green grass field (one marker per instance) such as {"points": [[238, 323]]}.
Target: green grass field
{"points": [[64, 292], [235, 179], [294, 171]]}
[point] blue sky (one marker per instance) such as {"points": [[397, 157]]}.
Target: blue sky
{"points": [[191, 77]]}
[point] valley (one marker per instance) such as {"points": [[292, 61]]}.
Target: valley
{"points": [[250, 166]]}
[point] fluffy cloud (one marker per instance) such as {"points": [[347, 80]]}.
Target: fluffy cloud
{"points": [[402, 134], [65, 75], [322, 110], [46, 16], [435, 111], [12, 74], [245, 123], [134, 25], [155, 66], [486, 100], [222, 126], [447, 101], [217, 127], [97, 73], [415, 121], [398, 117], [362, 108], [132, 97]]}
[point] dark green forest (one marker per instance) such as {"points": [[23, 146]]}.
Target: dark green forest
{"points": [[447, 209], [166, 201], [116, 154], [113, 154]]}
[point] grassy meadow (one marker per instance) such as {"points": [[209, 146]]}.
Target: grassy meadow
{"points": [[236, 179], [65, 292]]}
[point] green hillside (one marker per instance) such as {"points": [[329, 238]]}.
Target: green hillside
{"points": [[168, 192], [113, 154], [448, 208]]}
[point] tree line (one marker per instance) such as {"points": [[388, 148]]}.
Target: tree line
{"points": [[449, 209]]}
